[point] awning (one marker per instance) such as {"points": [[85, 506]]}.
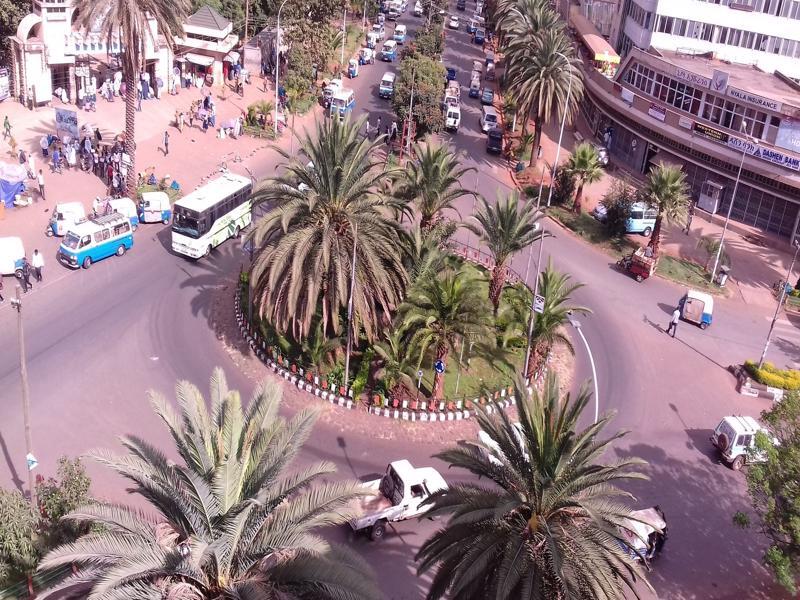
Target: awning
{"points": [[597, 45], [232, 57], [199, 59]]}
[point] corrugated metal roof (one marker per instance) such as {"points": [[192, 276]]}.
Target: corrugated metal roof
{"points": [[209, 18]]}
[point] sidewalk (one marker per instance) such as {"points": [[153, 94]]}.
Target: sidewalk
{"points": [[194, 156]]}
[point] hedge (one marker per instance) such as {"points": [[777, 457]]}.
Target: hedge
{"points": [[785, 379]]}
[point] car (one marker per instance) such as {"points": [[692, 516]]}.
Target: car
{"points": [[599, 212], [735, 438], [393, 14], [451, 74], [461, 5], [418, 9], [487, 96], [454, 22], [494, 141], [488, 118], [479, 36]]}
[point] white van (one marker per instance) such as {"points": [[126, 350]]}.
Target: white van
{"points": [[386, 88], [11, 254], [488, 118], [642, 219]]}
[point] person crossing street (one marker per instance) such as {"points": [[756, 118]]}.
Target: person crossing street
{"points": [[673, 322], [37, 262], [26, 275]]}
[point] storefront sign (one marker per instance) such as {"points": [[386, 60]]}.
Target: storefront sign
{"points": [[67, 121], [789, 134], [627, 95], [657, 112], [692, 78], [685, 122], [719, 81], [755, 99], [710, 133], [767, 154]]}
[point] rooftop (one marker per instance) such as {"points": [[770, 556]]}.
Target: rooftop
{"points": [[744, 77], [208, 18]]}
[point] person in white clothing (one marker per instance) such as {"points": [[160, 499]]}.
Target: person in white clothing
{"points": [[31, 166], [37, 262]]}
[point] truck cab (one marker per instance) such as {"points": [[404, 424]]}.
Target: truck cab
{"points": [[400, 494]]}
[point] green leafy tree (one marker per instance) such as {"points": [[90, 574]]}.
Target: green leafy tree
{"points": [[432, 181], [441, 311], [505, 228], [584, 164], [511, 322], [547, 525], [563, 185], [428, 41], [227, 519], [305, 241], [666, 190], [60, 495], [426, 77], [18, 552], [129, 21], [11, 13], [618, 202], [773, 490], [548, 328]]}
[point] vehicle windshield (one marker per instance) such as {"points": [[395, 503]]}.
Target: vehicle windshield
{"points": [[71, 241], [185, 224]]}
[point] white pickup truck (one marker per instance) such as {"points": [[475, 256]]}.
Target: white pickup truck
{"points": [[396, 496]]}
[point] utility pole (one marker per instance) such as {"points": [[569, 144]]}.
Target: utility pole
{"points": [[26, 412], [344, 35], [350, 311], [781, 298], [246, 25]]}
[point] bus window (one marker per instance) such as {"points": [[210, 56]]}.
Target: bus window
{"points": [[86, 240], [98, 236], [637, 215]]}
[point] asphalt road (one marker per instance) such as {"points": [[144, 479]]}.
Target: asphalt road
{"points": [[97, 340]]}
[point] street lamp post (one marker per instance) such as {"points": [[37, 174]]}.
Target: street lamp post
{"points": [[577, 325], [781, 298], [277, 64], [544, 232], [730, 204], [344, 35], [26, 411], [350, 310]]}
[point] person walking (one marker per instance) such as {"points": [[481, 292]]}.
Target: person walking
{"points": [[31, 166], [40, 181], [56, 160], [37, 262], [378, 126], [6, 127], [673, 322], [166, 143], [26, 275], [689, 217]]}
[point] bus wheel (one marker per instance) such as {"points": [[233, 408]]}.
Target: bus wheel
{"points": [[208, 251], [236, 233], [87, 262], [121, 250]]}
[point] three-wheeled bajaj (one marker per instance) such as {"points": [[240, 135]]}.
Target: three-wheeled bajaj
{"points": [[64, 216], [352, 68], [154, 207], [697, 307]]}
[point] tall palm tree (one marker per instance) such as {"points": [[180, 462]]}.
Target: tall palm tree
{"points": [[318, 214], [511, 322], [440, 311], [584, 164], [227, 519], [548, 328], [548, 524], [128, 23], [432, 182], [397, 363], [666, 190], [505, 228], [541, 79]]}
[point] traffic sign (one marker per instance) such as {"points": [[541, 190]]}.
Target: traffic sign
{"points": [[538, 304], [439, 366], [420, 373], [32, 462]]}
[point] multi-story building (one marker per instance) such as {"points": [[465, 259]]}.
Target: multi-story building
{"points": [[689, 91]]}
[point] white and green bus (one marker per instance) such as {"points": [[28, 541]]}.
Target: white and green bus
{"points": [[211, 214]]}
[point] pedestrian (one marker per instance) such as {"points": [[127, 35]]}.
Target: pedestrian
{"points": [[109, 173], [139, 96], [44, 144], [1, 290], [166, 143], [56, 160], [97, 135], [689, 219], [191, 115], [6, 127], [205, 123], [31, 166], [40, 181], [180, 121], [673, 322], [37, 262], [378, 126], [26, 275]]}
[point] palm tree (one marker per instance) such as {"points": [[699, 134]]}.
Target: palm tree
{"points": [[666, 191], [432, 182], [511, 322], [319, 214], [584, 164], [227, 519], [127, 22], [549, 525], [440, 311], [548, 329], [541, 78], [505, 228], [317, 348], [397, 368]]}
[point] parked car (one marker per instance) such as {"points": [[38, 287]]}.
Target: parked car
{"points": [[494, 141], [418, 9], [453, 23], [487, 96], [479, 36], [735, 438], [488, 119], [451, 74], [599, 212], [461, 5]]}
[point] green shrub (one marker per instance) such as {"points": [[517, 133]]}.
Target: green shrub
{"points": [[563, 186], [770, 375], [618, 202]]}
